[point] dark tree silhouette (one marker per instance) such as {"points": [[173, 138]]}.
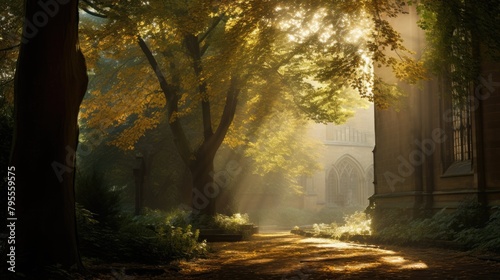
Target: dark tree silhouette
{"points": [[50, 83]]}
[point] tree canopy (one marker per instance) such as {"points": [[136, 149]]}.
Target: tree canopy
{"points": [[222, 71], [216, 70]]}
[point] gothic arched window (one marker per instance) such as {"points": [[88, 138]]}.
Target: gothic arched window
{"points": [[345, 184]]}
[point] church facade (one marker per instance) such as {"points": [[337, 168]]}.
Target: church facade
{"points": [[346, 179]]}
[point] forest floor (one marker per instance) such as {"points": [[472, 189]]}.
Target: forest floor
{"points": [[281, 255]]}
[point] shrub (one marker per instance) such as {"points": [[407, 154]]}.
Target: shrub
{"points": [[148, 239], [96, 197], [467, 227], [354, 224], [485, 238], [231, 223], [469, 214], [157, 218]]}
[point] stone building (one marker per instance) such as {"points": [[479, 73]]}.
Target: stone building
{"points": [[346, 179], [432, 153]]}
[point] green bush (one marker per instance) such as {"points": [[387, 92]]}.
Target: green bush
{"points": [[148, 239], [158, 218], [357, 223], [231, 223], [436, 228], [103, 201], [483, 238], [467, 227]]}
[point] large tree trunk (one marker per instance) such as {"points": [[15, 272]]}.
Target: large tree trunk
{"points": [[205, 191], [202, 167], [50, 83]]}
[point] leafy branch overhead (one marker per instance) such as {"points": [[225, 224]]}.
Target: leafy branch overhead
{"points": [[310, 52], [454, 30]]}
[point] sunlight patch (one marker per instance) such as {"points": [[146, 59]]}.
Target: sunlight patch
{"points": [[259, 261], [351, 267], [326, 242], [417, 265], [387, 252], [393, 260], [361, 266]]}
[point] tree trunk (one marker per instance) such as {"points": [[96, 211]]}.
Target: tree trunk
{"points": [[50, 83], [205, 191], [200, 162]]}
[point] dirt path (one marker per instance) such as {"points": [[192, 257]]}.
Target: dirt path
{"points": [[285, 256]]}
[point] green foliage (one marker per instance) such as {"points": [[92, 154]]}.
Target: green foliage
{"points": [[387, 95], [295, 59], [101, 200], [466, 227], [231, 223], [357, 223], [469, 214], [280, 145], [313, 53], [155, 218], [84, 218], [483, 238], [435, 228], [151, 238], [459, 34]]}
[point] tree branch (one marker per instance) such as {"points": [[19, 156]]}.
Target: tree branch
{"points": [[170, 92], [10, 48], [98, 11], [228, 113], [193, 46], [7, 82], [85, 9], [210, 29]]}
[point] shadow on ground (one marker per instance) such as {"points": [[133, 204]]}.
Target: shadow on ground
{"points": [[280, 255]]}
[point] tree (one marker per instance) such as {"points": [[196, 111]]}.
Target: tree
{"points": [[50, 82], [205, 59]]}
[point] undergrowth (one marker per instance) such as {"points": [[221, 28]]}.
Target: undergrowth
{"points": [[151, 238], [355, 224], [232, 223], [467, 227]]}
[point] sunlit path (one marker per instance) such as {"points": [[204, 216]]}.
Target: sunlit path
{"points": [[280, 255], [283, 256]]}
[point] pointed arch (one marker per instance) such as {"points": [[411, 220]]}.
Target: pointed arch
{"points": [[347, 159], [351, 182], [331, 190]]}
